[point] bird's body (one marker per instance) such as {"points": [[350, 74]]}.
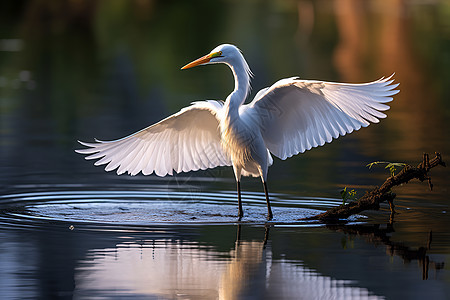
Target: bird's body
{"points": [[288, 118]]}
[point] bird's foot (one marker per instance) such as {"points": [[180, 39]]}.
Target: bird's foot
{"points": [[269, 217]]}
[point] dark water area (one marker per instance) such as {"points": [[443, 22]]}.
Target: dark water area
{"points": [[78, 70]]}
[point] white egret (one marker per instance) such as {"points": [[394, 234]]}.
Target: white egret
{"points": [[285, 119]]}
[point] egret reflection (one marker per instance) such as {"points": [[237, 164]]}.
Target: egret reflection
{"points": [[171, 269]]}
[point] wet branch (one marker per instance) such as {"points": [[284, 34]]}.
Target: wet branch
{"points": [[372, 199]]}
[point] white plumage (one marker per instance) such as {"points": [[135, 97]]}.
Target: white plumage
{"points": [[285, 119], [186, 141], [297, 115]]}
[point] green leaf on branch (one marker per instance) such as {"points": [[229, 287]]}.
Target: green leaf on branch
{"points": [[392, 167], [348, 195]]}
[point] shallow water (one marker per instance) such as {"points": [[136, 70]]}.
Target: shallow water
{"points": [[152, 242], [152, 205], [74, 70]]}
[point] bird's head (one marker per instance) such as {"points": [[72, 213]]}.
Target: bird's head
{"points": [[225, 53]]}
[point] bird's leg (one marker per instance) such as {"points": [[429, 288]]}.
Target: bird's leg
{"points": [[269, 210], [241, 212]]}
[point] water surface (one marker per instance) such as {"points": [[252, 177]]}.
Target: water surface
{"points": [[78, 70]]}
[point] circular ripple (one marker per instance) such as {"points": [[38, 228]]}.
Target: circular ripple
{"points": [[134, 206]]}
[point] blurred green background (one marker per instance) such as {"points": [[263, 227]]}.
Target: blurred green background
{"points": [[82, 69], [79, 69]]}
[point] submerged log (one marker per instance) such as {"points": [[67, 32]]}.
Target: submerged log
{"points": [[372, 199]]}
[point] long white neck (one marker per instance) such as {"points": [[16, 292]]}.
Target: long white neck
{"points": [[241, 73]]}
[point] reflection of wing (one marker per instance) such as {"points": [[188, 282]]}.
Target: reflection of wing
{"points": [[186, 141], [296, 115]]}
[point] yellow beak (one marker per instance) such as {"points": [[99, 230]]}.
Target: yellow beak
{"points": [[197, 62]]}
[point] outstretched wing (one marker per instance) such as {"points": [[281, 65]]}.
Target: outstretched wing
{"points": [[186, 141], [295, 115]]}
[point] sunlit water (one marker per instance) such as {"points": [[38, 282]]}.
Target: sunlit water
{"points": [[152, 205], [172, 243], [74, 70]]}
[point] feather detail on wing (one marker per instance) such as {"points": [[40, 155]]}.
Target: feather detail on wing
{"points": [[186, 141], [296, 115]]}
